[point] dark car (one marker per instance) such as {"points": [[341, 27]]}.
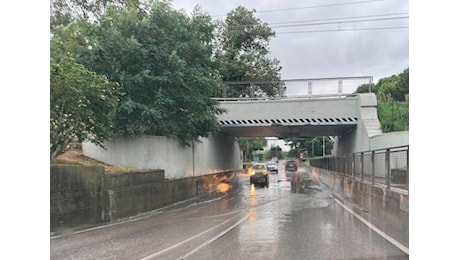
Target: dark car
{"points": [[258, 174], [291, 166]]}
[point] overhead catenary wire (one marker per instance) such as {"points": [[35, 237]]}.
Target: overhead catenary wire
{"points": [[317, 6], [331, 21], [310, 7], [339, 18], [346, 30], [337, 21], [320, 22]]}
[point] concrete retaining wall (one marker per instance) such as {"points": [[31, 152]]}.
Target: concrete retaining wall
{"points": [[84, 196], [76, 195], [214, 154], [387, 209], [389, 140]]}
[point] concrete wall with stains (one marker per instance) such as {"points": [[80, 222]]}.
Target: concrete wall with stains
{"points": [[82, 196], [211, 155]]}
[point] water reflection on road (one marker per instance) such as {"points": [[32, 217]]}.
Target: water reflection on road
{"points": [[300, 223]]}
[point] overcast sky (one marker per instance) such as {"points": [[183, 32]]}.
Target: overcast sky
{"points": [[359, 48]]}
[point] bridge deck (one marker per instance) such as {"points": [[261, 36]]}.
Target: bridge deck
{"points": [[289, 117]]}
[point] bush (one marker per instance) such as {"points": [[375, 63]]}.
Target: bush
{"points": [[393, 116]]}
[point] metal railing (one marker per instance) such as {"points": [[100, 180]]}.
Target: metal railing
{"points": [[292, 88], [389, 167]]}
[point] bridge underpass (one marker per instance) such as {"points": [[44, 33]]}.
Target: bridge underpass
{"points": [[344, 118], [288, 127], [303, 108]]}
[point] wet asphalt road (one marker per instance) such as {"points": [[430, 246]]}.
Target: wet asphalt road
{"points": [[245, 222]]}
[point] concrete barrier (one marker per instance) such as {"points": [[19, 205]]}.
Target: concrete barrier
{"points": [[82, 196], [388, 209]]}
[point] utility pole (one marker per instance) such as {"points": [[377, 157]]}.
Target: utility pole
{"points": [[324, 148], [247, 150], [313, 147], [193, 158]]}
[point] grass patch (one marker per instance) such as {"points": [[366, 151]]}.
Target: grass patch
{"points": [[76, 157]]}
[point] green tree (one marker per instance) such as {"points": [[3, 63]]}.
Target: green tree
{"points": [[364, 88], [249, 144], [395, 87], [311, 146], [63, 12], [401, 92], [162, 61], [242, 55], [275, 151], [393, 102], [81, 101], [393, 116]]}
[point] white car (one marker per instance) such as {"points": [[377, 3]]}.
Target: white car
{"points": [[272, 166]]}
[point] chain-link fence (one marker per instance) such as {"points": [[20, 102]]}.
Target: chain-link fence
{"points": [[389, 167]]}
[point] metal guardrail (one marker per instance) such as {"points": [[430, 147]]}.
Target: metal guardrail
{"points": [[389, 167], [304, 88], [295, 97]]}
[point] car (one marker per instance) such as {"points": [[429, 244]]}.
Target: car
{"points": [[258, 174], [291, 166], [275, 159], [272, 166]]}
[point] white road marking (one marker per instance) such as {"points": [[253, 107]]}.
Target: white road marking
{"points": [[141, 216], [374, 228], [188, 239], [215, 238]]}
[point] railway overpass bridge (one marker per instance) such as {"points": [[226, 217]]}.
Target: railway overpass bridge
{"points": [[352, 119]]}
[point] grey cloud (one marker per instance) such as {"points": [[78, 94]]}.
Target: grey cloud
{"points": [[377, 53]]}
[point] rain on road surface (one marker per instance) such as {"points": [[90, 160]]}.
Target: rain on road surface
{"points": [[245, 222]]}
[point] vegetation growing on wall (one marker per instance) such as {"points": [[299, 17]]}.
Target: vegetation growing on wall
{"points": [[392, 101]]}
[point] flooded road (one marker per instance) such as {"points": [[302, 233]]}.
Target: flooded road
{"points": [[243, 222]]}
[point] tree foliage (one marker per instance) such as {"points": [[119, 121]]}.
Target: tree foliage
{"points": [[242, 54], [249, 144], [135, 67], [392, 101], [364, 88], [393, 116], [275, 151], [81, 101], [162, 61], [310, 146], [63, 12], [394, 87]]}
